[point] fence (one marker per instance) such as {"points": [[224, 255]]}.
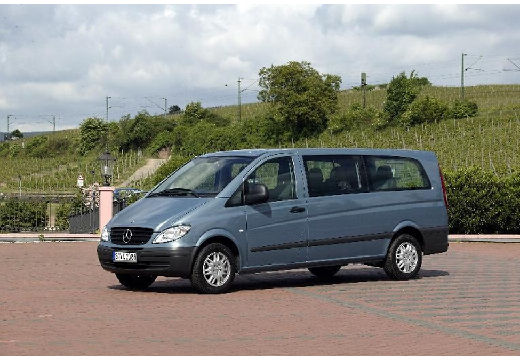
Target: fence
{"points": [[44, 213]]}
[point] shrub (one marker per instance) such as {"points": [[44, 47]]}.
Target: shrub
{"points": [[195, 113], [354, 116], [92, 133], [16, 215], [424, 109], [481, 202], [463, 108], [163, 140], [401, 92]]}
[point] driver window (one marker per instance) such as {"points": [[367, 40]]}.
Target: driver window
{"points": [[278, 176]]}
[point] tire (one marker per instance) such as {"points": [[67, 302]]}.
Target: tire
{"points": [[404, 258], [213, 270], [324, 272], [136, 282]]}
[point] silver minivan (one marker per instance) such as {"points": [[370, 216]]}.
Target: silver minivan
{"points": [[245, 211]]}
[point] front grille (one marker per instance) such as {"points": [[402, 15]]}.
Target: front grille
{"points": [[130, 235]]}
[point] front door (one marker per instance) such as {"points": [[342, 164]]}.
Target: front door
{"points": [[276, 230]]}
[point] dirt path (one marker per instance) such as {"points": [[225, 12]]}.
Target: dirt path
{"points": [[144, 171]]}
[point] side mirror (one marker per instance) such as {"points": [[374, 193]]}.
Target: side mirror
{"points": [[255, 194]]}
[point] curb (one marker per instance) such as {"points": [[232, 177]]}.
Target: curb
{"points": [[57, 237], [489, 238]]}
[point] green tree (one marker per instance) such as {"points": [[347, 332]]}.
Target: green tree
{"points": [[195, 113], [93, 132], [174, 109], [302, 98], [401, 92], [17, 133]]}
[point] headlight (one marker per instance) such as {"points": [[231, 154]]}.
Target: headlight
{"points": [[104, 234], [172, 234]]}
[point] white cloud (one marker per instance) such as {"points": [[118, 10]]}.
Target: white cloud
{"points": [[66, 59]]}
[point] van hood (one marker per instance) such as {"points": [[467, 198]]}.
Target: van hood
{"points": [[157, 213]]}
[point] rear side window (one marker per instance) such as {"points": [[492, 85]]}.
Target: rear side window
{"points": [[334, 174], [387, 173]]}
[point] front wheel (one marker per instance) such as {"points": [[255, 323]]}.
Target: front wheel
{"points": [[404, 258], [214, 269], [135, 282]]}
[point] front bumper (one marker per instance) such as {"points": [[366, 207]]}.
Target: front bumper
{"points": [[158, 261]]}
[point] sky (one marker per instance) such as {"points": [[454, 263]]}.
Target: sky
{"points": [[64, 60]]}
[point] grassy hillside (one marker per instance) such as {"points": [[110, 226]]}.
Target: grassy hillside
{"points": [[53, 165], [489, 140]]}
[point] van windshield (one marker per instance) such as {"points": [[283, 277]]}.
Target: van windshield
{"points": [[203, 176]]}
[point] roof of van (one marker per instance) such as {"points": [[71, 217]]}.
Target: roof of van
{"points": [[318, 151]]}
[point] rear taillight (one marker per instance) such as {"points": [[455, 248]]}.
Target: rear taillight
{"points": [[444, 194]]}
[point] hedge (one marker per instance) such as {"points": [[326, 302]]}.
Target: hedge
{"points": [[480, 202]]}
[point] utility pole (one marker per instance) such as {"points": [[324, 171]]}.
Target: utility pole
{"points": [[462, 70], [239, 100], [364, 86], [165, 106], [53, 123], [8, 117], [108, 97]]}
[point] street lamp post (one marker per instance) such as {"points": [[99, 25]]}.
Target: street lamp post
{"points": [[106, 192], [107, 167]]}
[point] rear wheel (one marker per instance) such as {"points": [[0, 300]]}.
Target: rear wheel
{"points": [[324, 272], [136, 282], [404, 258], [214, 269]]}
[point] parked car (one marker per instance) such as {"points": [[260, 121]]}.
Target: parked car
{"points": [[247, 211], [121, 193]]}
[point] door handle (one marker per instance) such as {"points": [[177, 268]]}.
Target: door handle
{"points": [[297, 209]]}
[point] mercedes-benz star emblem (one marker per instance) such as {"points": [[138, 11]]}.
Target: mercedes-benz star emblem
{"points": [[127, 236]]}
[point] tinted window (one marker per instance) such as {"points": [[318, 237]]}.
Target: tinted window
{"points": [[278, 175], [396, 173], [334, 174]]}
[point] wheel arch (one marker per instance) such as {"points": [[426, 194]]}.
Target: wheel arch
{"points": [[222, 237], [408, 227]]}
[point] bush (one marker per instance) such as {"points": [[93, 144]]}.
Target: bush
{"points": [[92, 133], [195, 113], [354, 116], [401, 92], [16, 215], [461, 109], [163, 140], [424, 109], [482, 203]]}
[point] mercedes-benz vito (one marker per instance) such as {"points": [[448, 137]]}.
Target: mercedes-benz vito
{"points": [[245, 211]]}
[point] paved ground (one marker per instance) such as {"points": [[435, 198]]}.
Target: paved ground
{"points": [[56, 300]]}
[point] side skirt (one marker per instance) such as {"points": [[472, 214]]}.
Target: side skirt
{"points": [[308, 264]]}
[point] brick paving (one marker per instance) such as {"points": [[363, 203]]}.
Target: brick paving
{"points": [[56, 300]]}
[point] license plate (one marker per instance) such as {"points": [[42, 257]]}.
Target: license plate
{"points": [[122, 256]]}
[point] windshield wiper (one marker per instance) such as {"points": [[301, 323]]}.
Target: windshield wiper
{"points": [[175, 192]]}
